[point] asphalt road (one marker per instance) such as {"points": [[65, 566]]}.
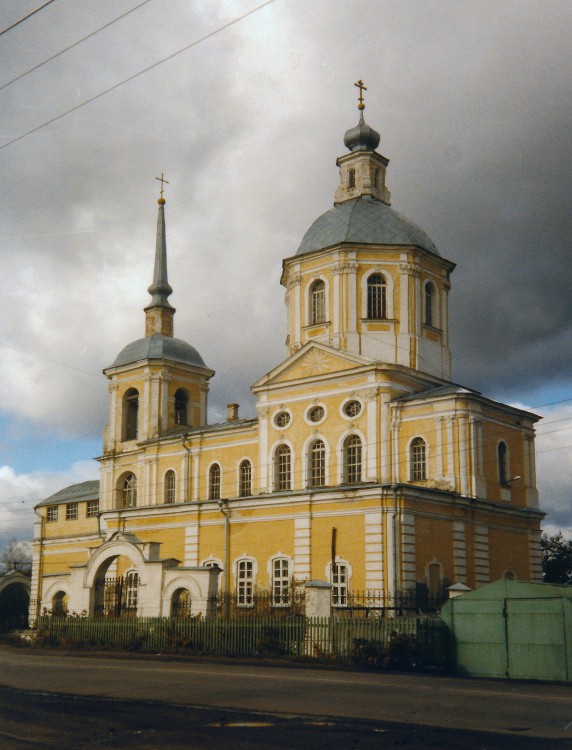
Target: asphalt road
{"points": [[152, 702]]}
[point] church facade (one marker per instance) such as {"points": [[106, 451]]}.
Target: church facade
{"points": [[366, 466]]}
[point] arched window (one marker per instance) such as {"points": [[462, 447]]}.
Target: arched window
{"points": [[181, 406], [245, 479], [128, 491], [351, 178], [317, 464], [318, 302], [339, 581], [376, 297], [429, 304], [214, 482], [244, 583], [130, 414], [502, 453], [376, 178], [418, 460], [280, 582], [169, 488], [282, 468], [352, 459]]}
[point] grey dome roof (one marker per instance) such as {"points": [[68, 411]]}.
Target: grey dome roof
{"points": [[159, 347], [364, 220]]}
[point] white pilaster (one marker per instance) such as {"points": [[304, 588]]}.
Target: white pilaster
{"points": [[192, 544], [373, 551], [302, 548], [385, 467]]}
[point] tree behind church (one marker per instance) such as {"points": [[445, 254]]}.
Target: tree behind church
{"points": [[556, 558], [16, 556]]}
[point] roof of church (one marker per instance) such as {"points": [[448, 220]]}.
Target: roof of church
{"points": [[83, 491], [159, 346], [364, 220]]}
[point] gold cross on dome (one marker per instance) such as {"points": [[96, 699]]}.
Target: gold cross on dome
{"points": [[361, 88], [163, 181]]}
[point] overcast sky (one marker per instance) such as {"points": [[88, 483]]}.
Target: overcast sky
{"points": [[473, 102]]}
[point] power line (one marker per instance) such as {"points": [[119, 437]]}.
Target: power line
{"points": [[136, 75], [13, 26], [48, 359], [75, 44]]}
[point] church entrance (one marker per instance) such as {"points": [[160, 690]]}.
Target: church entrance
{"points": [[116, 589]]}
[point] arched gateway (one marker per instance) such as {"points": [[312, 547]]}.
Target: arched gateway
{"points": [[127, 577], [14, 600]]}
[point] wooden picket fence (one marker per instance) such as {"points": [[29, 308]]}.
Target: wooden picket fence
{"points": [[404, 641]]}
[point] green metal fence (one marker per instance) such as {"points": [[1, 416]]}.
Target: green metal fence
{"points": [[399, 641]]}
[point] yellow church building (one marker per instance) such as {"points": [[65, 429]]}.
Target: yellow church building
{"points": [[366, 467]]}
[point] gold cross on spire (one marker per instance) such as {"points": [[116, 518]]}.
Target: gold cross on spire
{"points": [[361, 88], [163, 181]]}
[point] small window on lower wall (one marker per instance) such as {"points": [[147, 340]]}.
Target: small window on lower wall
{"points": [[170, 486], [72, 512], [52, 514], [244, 583], [339, 576]]}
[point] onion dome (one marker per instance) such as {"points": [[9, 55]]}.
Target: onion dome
{"points": [[362, 137]]}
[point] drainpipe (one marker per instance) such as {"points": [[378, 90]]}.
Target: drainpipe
{"points": [[223, 507]]}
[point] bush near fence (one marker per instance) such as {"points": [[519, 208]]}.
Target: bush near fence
{"points": [[400, 642]]}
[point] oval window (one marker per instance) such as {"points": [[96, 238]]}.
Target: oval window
{"points": [[282, 419], [316, 414], [352, 408]]}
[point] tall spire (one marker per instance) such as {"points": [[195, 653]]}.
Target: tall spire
{"points": [[159, 314]]}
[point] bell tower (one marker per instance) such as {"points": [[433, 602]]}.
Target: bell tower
{"points": [[158, 384]]}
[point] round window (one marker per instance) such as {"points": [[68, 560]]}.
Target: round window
{"points": [[282, 419], [316, 414], [352, 408]]}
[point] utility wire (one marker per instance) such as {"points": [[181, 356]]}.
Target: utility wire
{"points": [[75, 44], [13, 26], [136, 75]]}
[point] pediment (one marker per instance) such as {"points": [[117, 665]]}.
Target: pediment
{"points": [[313, 359]]}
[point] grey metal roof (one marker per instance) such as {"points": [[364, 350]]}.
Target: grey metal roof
{"points": [[74, 493], [159, 347], [364, 220]]}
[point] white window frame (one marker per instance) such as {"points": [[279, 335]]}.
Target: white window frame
{"points": [[170, 493], [311, 318], [52, 513], [340, 589], [245, 578], [242, 464], [212, 492], [277, 481], [309, 453], [280, 580], [389, 291], [414, 462]]}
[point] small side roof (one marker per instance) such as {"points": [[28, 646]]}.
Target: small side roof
{"points": [[74, 493]]}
